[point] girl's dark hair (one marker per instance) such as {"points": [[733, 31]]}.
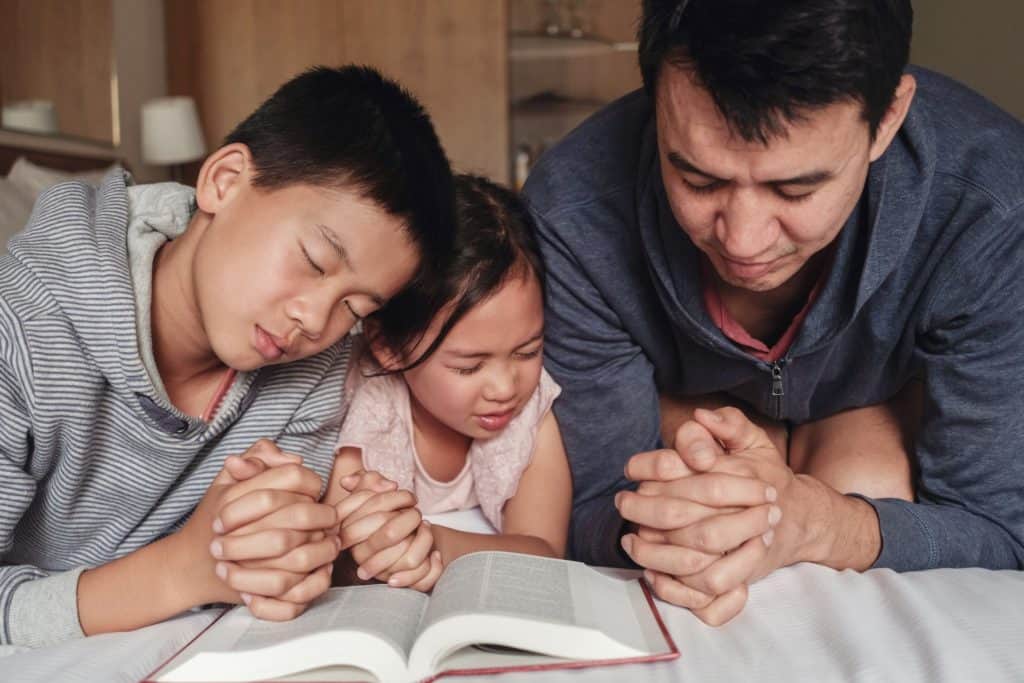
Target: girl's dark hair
{"points": [[495, 240], [767, 63], [352, 127]]}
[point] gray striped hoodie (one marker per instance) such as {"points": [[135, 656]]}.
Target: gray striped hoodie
{"points": [[95, 462]]}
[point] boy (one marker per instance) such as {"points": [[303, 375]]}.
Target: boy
{"points": [[147, 333]]}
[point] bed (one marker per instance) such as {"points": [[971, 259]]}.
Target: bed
{"points": [[30, 164], [803, 623]]}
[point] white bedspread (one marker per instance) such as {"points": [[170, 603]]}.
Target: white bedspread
{"points": [[802, 623]]}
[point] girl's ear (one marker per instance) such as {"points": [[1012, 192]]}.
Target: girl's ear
{"points": [[381, 352], [222, 175]]}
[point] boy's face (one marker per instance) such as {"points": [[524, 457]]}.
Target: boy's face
{"points": [[488, 366], [282, 274]]}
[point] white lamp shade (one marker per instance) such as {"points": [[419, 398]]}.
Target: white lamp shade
{"points": [[36, 116], [171, 132]]}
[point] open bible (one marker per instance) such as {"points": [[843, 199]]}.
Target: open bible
{"points": [[489, 612]]}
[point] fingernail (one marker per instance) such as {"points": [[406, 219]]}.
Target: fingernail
{"points": [[770, 494], [246, 598], [361, 573], [768, 537], [392, 581], [710, 414], [627, 543], [774, 515], [218, 526], [222, 570], [216, 549], [337, 543], [649, 576], [618, 498]]}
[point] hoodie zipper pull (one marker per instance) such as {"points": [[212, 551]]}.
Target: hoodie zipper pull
{"points": [[777, 379]]}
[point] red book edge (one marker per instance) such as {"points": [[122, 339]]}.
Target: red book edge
{"points": [[672, 653]]}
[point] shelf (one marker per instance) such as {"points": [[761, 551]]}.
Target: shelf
{"points": [[532, 46], [550, 105]]}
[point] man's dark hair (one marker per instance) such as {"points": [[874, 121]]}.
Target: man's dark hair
{"points": [[352, 127], [767, 63], [495, 240]]}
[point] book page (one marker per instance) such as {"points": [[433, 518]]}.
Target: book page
{"points": [[504, 583], [391, 614]]}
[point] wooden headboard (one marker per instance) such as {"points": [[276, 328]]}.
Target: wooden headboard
{"points": [[64, 160]]}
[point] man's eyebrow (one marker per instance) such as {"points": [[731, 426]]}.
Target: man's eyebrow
{"points": [[682, 164], [804, 179], [812, 178], [335, 242]]}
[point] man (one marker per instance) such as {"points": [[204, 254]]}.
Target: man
{"points": [[788, 221]]}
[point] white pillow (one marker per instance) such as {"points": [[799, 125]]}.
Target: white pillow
{"points": [[15, 208], [33, 179]]}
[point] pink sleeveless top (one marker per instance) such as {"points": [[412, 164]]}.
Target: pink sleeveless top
{"points": [[379, 422]]}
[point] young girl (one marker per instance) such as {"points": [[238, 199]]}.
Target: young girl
{"points": [[456, 410]]}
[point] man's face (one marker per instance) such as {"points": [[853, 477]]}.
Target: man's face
{"points": [[758, 212], [283, 274]]}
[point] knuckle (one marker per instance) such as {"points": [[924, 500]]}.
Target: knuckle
{"points": [[715, 490], [665, 465], [706, 538], [731, 413], [303, 558], [277, 584], [279, 542], [717, 582], [672, 513]]}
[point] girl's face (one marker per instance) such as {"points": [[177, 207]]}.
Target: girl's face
{"points": [[487, 367]]}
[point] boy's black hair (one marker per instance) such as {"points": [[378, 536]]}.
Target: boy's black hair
{"points": [[352, 127], [766, 63], [495, 240]]}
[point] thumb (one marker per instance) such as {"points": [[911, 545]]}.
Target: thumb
{"points": [[238, 469], [732, 428]]}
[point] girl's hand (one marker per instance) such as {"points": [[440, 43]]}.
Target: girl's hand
{"points": [[413, 563]]}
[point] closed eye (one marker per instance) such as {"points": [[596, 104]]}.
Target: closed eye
{"points": [[310, 261], [352, 310], [526, 355], [466, 371], [703, 188]]}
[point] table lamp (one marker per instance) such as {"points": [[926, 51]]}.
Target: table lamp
{"points": [[171, 135]]}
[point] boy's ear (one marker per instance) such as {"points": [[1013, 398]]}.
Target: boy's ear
{"points": [[382, 353], [223, 174]]}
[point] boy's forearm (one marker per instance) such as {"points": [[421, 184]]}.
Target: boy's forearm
{"points": [[453, 544], [145, 587]]}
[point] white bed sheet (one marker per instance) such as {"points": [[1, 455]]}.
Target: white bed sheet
{"points": [[802, 623]]}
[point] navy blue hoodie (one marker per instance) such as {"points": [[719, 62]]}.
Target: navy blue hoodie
{"points": [[927, 282]]}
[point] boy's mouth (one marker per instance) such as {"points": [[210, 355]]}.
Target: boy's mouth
{"points": [[266, 344]]}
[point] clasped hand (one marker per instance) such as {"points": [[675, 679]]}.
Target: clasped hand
{"points": [[264, 538], [712, 515], [385, 534]]}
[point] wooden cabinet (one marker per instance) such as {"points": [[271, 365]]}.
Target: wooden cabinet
{"points": [[453, 54]]}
